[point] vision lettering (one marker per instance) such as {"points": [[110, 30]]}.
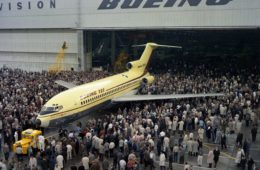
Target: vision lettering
{"points": [[29, 5], [53, 4], [23, 5], [40, 4], [19, 5]]}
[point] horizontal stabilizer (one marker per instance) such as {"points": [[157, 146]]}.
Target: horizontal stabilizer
{"points": [[164, 97], [157, 45]]}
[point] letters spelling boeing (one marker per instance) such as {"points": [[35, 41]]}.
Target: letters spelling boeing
{"points": [[133, 4]]}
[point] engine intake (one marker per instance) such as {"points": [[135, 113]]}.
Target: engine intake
{"points": [[133, 64], [148, 80], [129, 66]]}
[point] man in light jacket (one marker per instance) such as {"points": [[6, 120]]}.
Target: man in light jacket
{"points": [[60, 160], [162, 161], [32, 162], [210, 158]]}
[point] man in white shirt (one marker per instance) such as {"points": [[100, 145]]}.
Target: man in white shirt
{"points": [[58, 148], [53, 143], [71, 135], [166, 142], [110, 126], [32, 162], [186, 166], [152, 159], [69, 152], [41, 142], [88, 135], [16, 136], [201, 133], [191, 135], [122, 164], [181, 124], [162, 160], [2, 165], [85, 162], [174, 126], [60, 160], [19, 152], [111, 148]]}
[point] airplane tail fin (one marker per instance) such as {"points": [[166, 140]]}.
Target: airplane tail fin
{"points": [[142, 64]]}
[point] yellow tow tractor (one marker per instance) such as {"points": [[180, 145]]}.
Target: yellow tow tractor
{"points": [[29, 137]]}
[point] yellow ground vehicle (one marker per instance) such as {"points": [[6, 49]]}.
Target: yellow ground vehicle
{"points": [[29, 137]]}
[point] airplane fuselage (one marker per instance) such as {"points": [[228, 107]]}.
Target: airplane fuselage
{"points": [[79, 101]]}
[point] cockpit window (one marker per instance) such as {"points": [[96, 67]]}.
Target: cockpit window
{"points": [[47, 110]]}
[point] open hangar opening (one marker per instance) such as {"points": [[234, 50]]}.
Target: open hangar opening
{"points": [[198, 45]]}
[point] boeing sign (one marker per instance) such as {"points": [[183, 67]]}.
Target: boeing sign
{"points": [[111, 4], [130, 4], [129, 14]]}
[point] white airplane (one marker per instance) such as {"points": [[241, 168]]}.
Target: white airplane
{"points": [[78, 101]]}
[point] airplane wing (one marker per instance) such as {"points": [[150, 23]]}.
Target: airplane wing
{"points": [[163, 97], [65, 84]]}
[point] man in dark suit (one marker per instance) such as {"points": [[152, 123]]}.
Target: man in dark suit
{"points": [[216, 153], [73, 167], [253, 133], [81, 167], [223, 141]]}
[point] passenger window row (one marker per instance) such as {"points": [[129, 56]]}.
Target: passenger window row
{"points": [[106, 93]]}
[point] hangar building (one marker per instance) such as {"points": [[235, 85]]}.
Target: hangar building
{"points": [[32, 31]]}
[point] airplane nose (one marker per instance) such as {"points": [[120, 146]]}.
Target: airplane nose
{"points": [[38, 122]]}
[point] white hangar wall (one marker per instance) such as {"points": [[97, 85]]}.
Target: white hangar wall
{"points": [[36, 50], [38, 14], [129, 14], [33, 31]]}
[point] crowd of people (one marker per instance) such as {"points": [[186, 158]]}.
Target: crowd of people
{"points": [[22, 95], [140, 135]]}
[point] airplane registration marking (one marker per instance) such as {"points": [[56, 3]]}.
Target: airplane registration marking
{"points": [[92, 93]]}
